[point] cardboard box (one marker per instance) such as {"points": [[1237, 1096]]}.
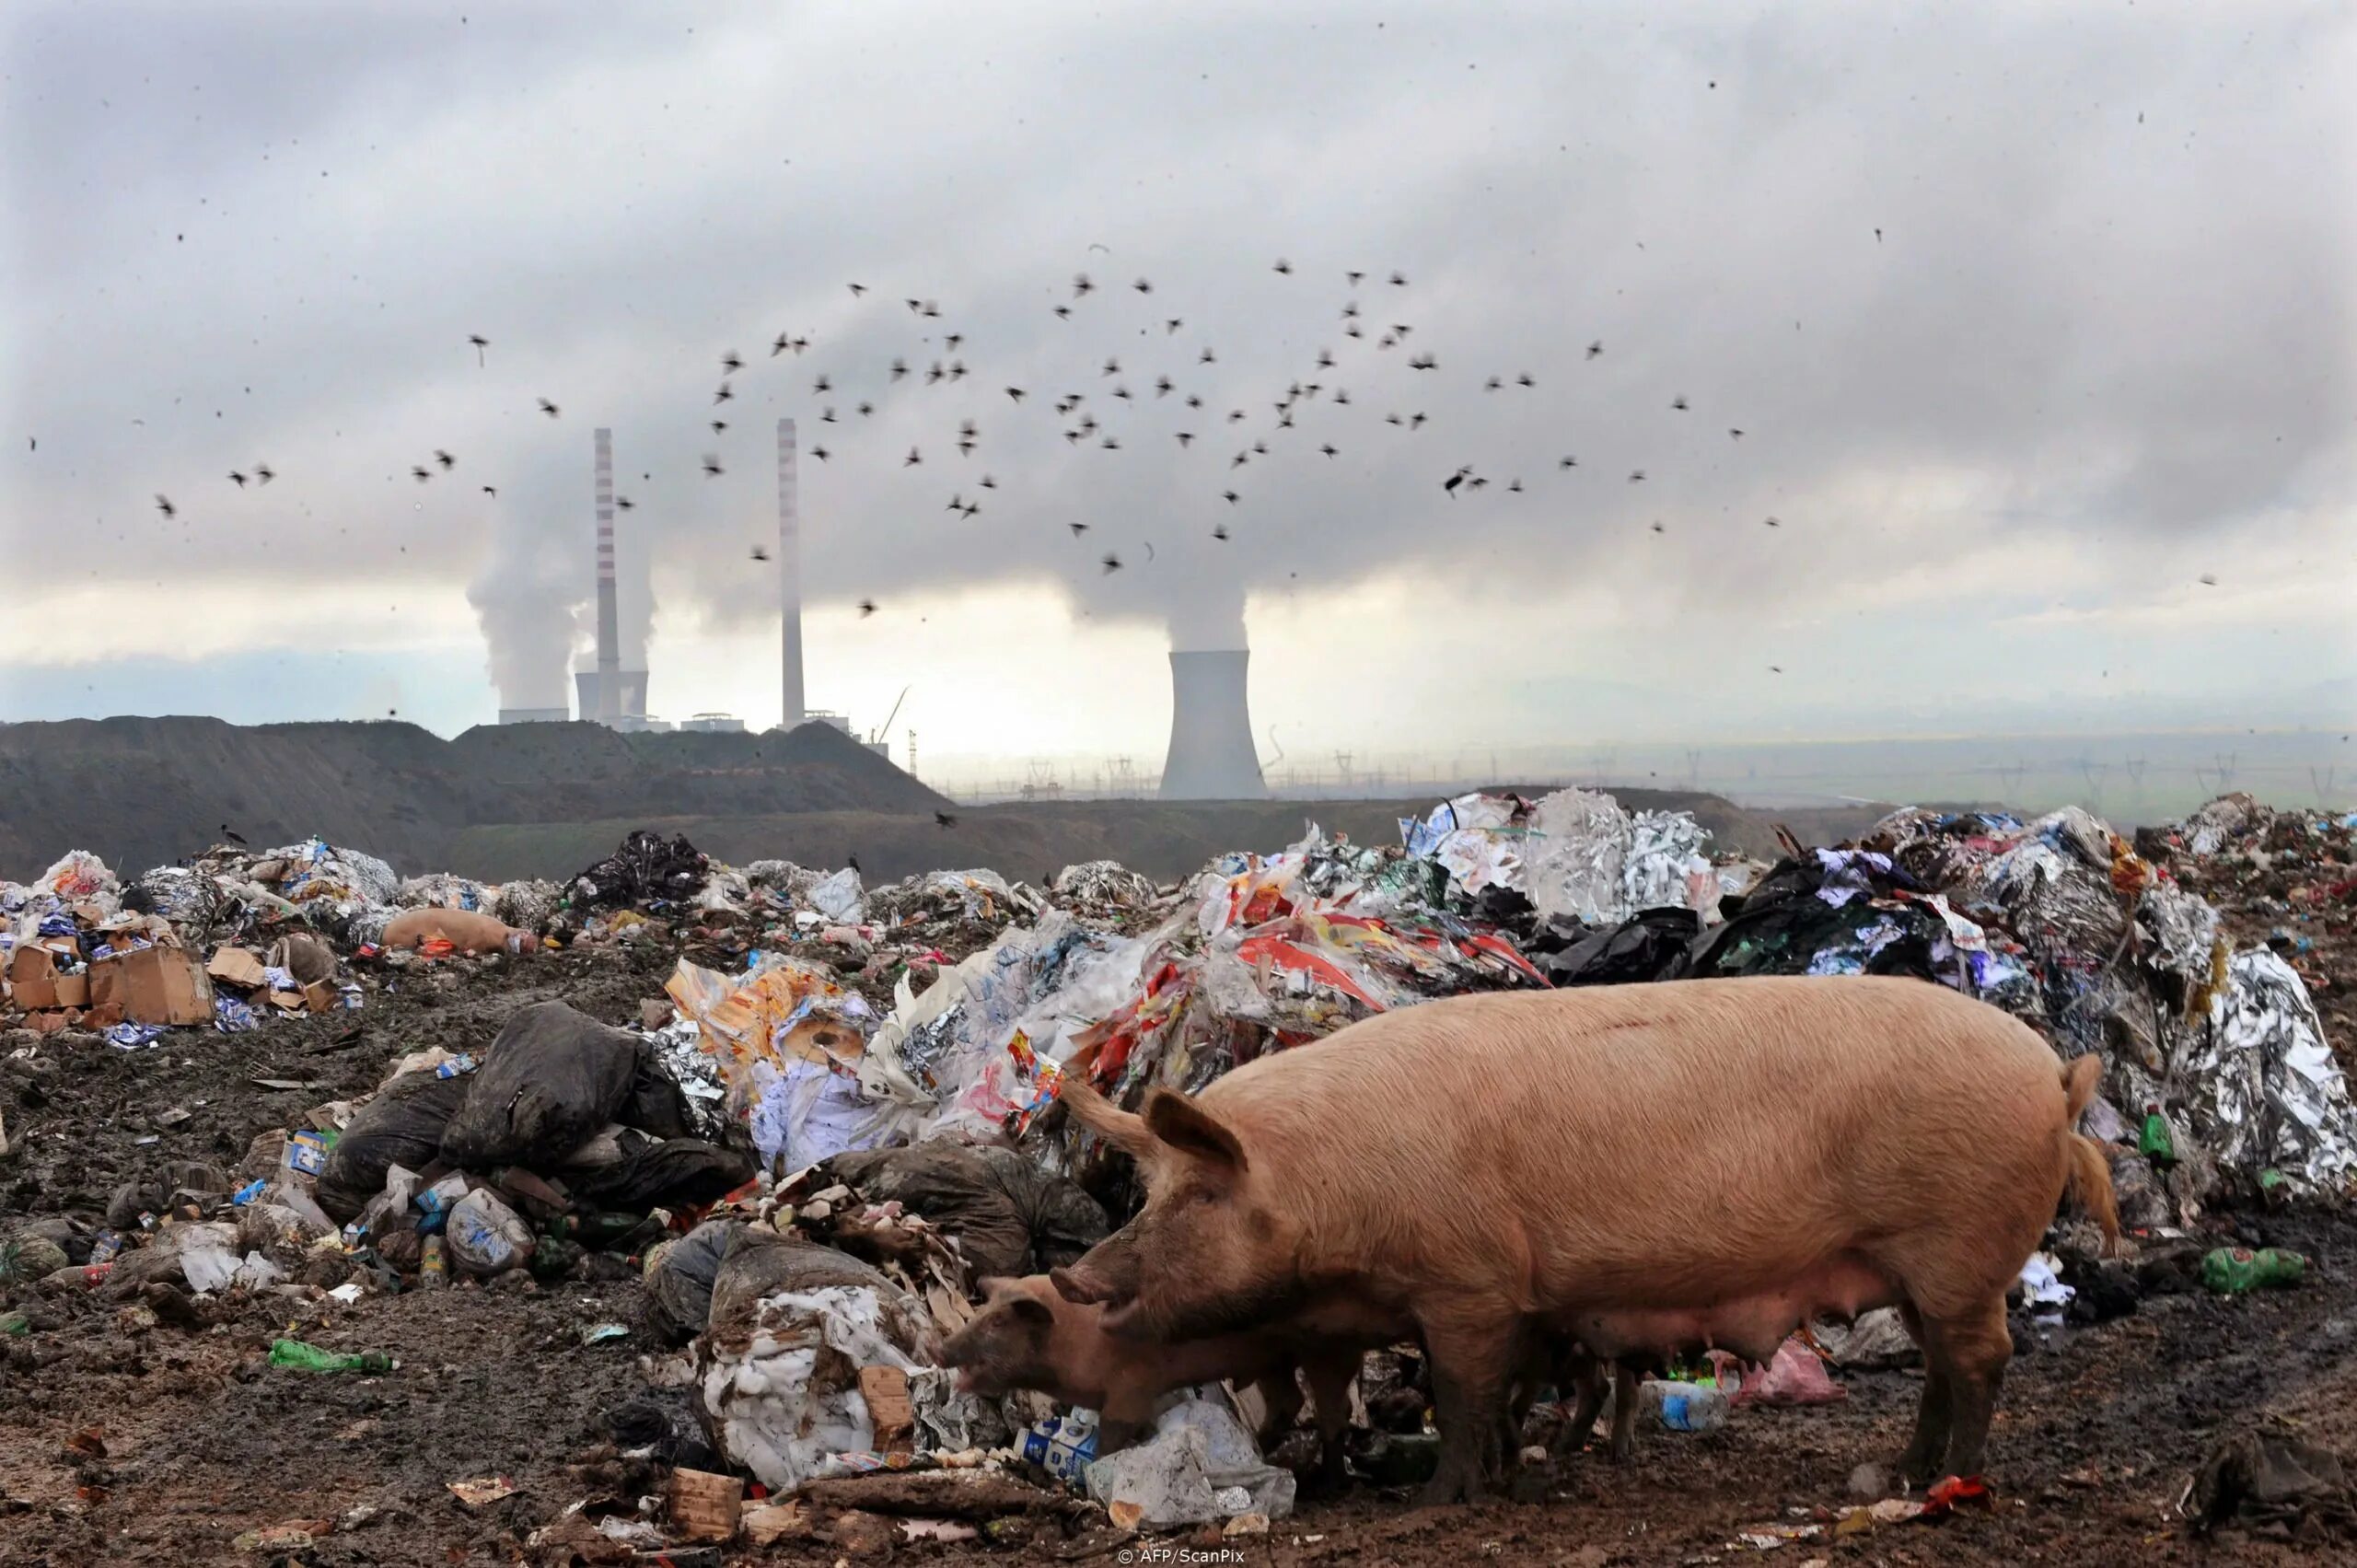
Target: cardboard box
{"points": [[32, 979], [154, 985], [73, 989], [322, 996]]}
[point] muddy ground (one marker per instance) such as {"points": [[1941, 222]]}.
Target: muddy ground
{"points": [[130, 1437]]}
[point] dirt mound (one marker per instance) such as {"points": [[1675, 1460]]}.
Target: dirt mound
{"points": [[142, 792]]}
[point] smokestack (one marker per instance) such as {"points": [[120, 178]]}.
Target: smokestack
{"points": [[609, 656], [789, 577], [1212, 756]]}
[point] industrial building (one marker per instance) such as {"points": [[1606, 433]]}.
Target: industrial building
{"points": [[1212, 756]]}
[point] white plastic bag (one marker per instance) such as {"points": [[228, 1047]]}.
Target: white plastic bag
{"points": [[485, 1236]]}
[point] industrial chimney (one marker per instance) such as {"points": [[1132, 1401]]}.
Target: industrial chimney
{"points": [[1212, 757], [609, 656], [789, 577]]}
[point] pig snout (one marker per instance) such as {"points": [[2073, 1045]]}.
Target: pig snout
{"points": [[1084, 1285]]}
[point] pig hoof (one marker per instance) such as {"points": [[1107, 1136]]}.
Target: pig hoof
{"points": [[1623, 1450], [1915, 1470], [1447, 1489]]}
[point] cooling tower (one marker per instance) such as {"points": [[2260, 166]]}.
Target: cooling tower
{"points": [[1212, 756]]}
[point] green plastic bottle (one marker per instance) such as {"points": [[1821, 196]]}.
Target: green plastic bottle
{"points": [[300, 1357], [2237, 1271]]}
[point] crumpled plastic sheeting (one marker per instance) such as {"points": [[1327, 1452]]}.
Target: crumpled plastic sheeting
{"points": [[1585, 859], [787, 1398], [680, 1043], [527, 902], [1199, 1465], [1103, 884], [840, 898], [2182, 943], [442, 889], [2264, 1088], [2223, 821]]}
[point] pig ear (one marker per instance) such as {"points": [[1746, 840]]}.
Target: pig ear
{"points": [[1181, 1123], [1029, 1309], [1120, 1128]]}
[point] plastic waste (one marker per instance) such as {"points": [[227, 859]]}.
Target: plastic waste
{"points": [[2237, 1271], [486, 1236], [433, 1269], [296, 1356], [1795, 1378], [1684, 1407], [1199, 1465], [400, 1185], [436, 1203]]}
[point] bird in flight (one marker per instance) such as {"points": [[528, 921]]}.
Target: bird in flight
{"points": [[1142, 286], [1112, 564], [718, 426], [912, 459], [481, 343], [1567, 462], [731, 362], [1524, 379], [1285, 266], [1172, 326], [712, 463], [857, 289], [1185, 437], [1327, 449], [1595, 348], [1679, 403], [1064, 313], [445, 459], [1081, 285], [1493, 384], [760, 554], [1399, 280], [944, 819], [419, 473], [1636, 476], [865, 409], [1219, 531], [239, 478], [548, 408], [1732, 430], [819, 452], [1015, 394], [164, 505], [1077, 528], [723, 395], [491, 491], [900, 368], [263, 473], [1658, 528], [866, 607], [1772, 522], [1229, 496], [1206, 357], [781, 345]]}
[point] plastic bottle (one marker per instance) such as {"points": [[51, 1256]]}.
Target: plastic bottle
{"points": [[104, 1246], [1685, 1407], [433, 1269], [2237, 1271], [300, 1357]]}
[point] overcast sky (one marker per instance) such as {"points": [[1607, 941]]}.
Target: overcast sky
{"points": [[2033, 318]]}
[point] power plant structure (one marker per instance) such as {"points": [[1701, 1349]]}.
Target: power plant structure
{"points": [[608, 694], [1212, 756], [793, 709]]}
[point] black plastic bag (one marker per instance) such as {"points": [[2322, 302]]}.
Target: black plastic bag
{"points": [[402, 1126], [679, 1288], [629, 1169], [1646, 948], [656, 1103], [1006, 1215], [644, 870], [551, 1080]]}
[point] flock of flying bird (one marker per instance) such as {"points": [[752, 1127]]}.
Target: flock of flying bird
{"points": [[1375, 349]]}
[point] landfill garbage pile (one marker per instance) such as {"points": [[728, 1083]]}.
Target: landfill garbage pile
{"points": [[834, 1125]]}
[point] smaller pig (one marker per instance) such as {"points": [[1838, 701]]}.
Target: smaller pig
{"points": [[1589, 1379], [1028, 1336], [465, 930]]}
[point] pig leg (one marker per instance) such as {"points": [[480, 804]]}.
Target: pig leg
{"points": [[1975, 1348], [1279, 1405], [1330, 1373], [1917, 1464], [1584, 1376], [1625, 1378], [1126, 1420], [1472, 1345]]}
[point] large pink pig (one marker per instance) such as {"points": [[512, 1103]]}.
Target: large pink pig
{"points": [[1646, 1166]]}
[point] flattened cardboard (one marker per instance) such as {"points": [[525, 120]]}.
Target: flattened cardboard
{"points": [[705, 1506], [237, 967], [886, 1389], [73, 989]]}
